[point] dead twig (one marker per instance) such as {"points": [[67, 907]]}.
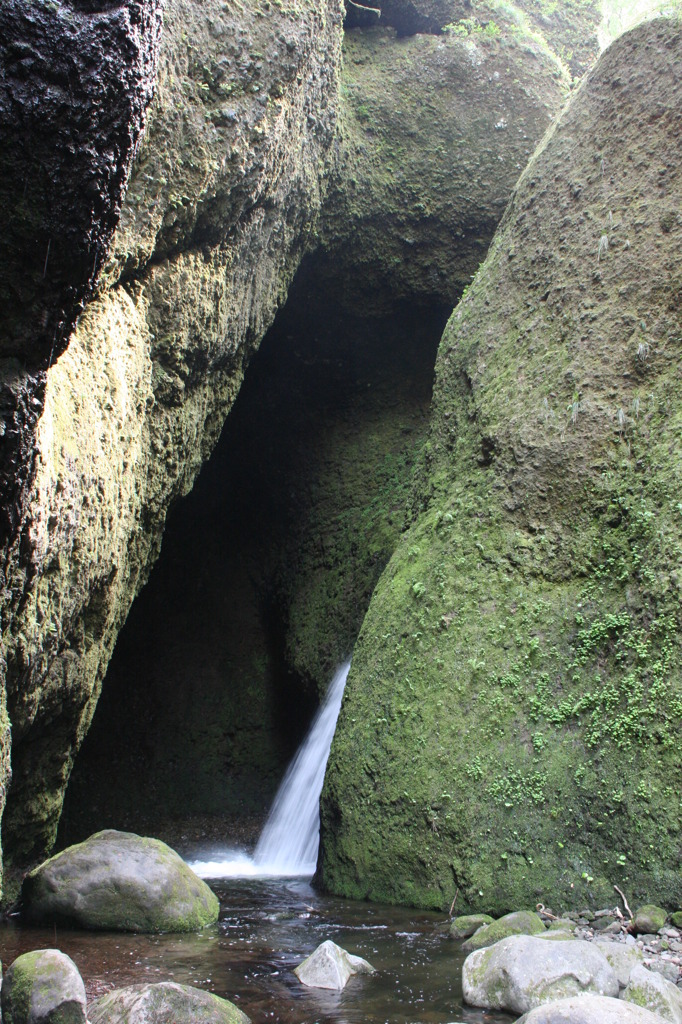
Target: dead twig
{"points": [[452, 905], [362, 7], [540, 907], [625, 902]]}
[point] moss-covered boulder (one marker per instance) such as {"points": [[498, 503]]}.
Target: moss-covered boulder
{"points": [[434, 131], [43, 987], [117, 881], [519, 922], [570, 27], [513, 712], [649, 919], [654, 992], [466, 924], [163, 1003], [220, 206]]}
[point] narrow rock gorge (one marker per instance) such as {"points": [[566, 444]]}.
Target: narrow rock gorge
{"points": [[236, 232]]}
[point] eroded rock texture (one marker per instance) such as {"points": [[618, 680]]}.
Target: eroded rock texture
{"points": [[264, 585], [434, 133], [513, 712], [241, 149], [242, 124]]}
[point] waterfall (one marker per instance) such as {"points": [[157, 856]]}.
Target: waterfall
{"points": [[289, 841]]}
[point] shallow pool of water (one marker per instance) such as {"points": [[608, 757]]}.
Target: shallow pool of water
{"points": [[266, 927]]}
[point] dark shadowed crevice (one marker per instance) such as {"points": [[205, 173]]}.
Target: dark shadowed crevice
{"points": [[266, 571]]}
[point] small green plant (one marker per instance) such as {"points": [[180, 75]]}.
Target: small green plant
{"points": [[573, 409]]}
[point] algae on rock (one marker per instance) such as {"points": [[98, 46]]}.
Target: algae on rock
{"points": [[138, 400], [513, 712]]}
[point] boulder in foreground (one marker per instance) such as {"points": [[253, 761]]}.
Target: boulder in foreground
{"points": [[589, 1010], [330, 966], [522, 972], [654, 992], [43, 987], [121, 882], [164, 1003]]}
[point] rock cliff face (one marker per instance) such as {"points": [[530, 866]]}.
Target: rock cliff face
{"points": [[242, 151], [435, 130], [224, 195], [513, 712], [281, 551]]}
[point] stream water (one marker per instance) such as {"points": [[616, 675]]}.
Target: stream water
{"points": [[271, 918], [266, 927]]}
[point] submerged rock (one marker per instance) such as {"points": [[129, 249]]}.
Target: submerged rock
{"points": [[522, 972], [163, 1003], [589, 1010], [654, 992], [43, 987], [519, 922], [330, 966], [119, 881]]}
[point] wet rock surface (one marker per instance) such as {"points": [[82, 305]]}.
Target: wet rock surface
{"points": [[227, 204], [163, 1003], [117, 881], [43, 987]]}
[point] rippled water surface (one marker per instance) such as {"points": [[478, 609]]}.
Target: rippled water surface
{"points": [[266, 927]]}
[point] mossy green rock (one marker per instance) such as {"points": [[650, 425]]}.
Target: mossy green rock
{"points": [[676, 919], [165, 1003], [513, 711], [650, 919], [654, 992], [43, 987], [464, 926], [520, 922], [119, 881]]}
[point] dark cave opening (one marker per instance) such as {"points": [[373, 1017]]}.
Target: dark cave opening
{"points": [[265, 574]]}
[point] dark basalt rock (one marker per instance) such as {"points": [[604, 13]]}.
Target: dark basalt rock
{"points": [[75, 82]]}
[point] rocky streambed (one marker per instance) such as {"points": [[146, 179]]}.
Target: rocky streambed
{"points": [[124, 930]]}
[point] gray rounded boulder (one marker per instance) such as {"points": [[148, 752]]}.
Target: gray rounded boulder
{"points": [[523, 971], [164, 1003], [590, 1010], [120, 882], [43, 987]]}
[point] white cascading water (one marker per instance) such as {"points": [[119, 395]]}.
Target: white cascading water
{"points": [[289, 842]]}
